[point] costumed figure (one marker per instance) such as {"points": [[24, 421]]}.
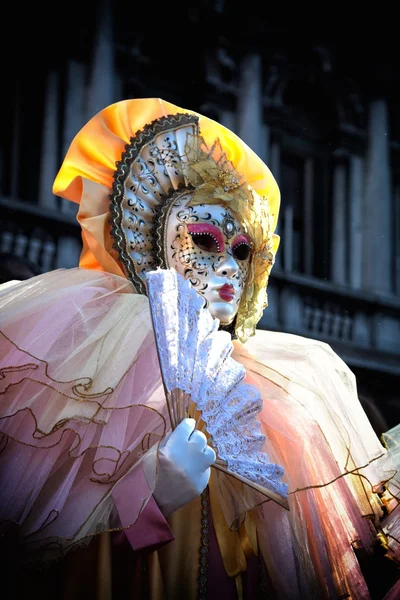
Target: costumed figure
{"points": [[138, 460]]}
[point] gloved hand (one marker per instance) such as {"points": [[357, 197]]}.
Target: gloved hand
{"points": [[183, 467]]}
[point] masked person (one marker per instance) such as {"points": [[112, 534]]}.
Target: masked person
{"points": [[93, 483]]}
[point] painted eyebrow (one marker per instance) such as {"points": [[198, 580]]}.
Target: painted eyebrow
{"points": [[208, 229], [241, 239]]}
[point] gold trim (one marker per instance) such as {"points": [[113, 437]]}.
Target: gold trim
{"points": [[129, 155]]}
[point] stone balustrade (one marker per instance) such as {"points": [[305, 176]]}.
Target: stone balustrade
{"points": [[49, 238], [363, 328]]}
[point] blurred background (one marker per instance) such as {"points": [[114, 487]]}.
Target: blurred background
{"points": [[317, 100]]}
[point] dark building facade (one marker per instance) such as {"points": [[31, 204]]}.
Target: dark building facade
{"points": [[320, 112]]}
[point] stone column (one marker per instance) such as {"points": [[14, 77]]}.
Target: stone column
{"points": [[35, 246], [75, 116], [377, 214], [356, 185], [101, 92], [49, 159], [16, 141], [47, 256], [397, 238], [21, 244], [288, 239], [6, 241], [250, 110], [308, 216], [339, 229], [275, 166]]}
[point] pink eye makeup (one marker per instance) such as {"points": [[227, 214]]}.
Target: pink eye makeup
{"points": [[241, 247], [207, 237]]}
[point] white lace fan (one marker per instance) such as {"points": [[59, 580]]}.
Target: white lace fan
{"points": [[200, 375]]}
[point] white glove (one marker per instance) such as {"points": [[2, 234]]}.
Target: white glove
{"points": [[183, 468]]}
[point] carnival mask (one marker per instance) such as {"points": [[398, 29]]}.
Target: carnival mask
{"points": [[176, 199], [208, 245]]}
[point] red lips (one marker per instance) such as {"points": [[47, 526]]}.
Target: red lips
{"points": [[227, 292]]}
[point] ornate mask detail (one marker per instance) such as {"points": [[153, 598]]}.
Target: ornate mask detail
{"points": [[145, 179], [208, 245], [174, 203]]}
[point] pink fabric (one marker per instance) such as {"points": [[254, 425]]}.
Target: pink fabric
{"points": [[81, 401], [151, 530]]}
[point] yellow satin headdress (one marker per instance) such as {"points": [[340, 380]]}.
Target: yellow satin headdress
{"points": [[216, 164]]}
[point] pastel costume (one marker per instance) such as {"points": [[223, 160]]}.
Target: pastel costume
{"points": [[82, 401]]}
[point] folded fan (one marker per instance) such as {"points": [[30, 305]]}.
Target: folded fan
{"points": [[199, 374]]}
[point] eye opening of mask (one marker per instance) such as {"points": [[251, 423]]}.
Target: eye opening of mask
{"points": [[205, 242], [207, 237], [241, 251]]}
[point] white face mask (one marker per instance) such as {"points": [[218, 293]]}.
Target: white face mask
{"points": [[207, 245]]}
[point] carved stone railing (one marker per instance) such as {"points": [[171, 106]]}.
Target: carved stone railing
{"points": [[50, 239], [363, 328]]}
